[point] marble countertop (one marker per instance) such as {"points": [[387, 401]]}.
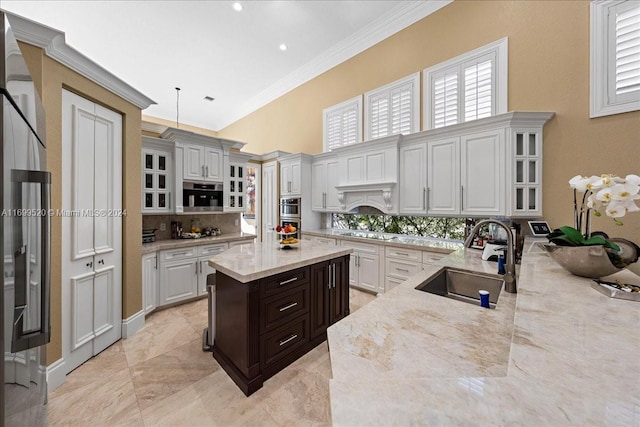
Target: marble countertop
{"points": [[386, 239], [556, 353], [183, 243], [246, 263]]}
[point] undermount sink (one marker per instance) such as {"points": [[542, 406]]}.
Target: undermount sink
{"points": [[463, 285]]}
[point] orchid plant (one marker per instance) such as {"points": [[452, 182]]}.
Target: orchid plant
{"points": [[615, 195]]}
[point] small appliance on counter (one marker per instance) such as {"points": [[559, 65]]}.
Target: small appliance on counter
{"points": [[148, 235], [176, 230]]}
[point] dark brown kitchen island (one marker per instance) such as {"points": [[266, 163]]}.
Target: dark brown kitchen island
{"points": [[274, 305]]}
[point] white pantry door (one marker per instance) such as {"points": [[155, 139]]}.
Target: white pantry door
{"points": [[92, 233]]}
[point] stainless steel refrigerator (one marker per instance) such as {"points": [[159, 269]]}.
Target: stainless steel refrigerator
{"points": [[25, 231]]}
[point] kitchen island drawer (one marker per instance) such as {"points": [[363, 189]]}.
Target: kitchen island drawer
{"points": [[284, 340], [432, 257], [284, 281], [283, 307]]}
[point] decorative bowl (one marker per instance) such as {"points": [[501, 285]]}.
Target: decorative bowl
{"points": [[585, 261]]}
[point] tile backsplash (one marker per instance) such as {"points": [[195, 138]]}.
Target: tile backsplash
{"points": [[226, 222]]}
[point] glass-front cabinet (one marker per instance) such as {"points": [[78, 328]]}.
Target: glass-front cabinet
{"points": [[527, 173], [236, 183], [157, 176]]}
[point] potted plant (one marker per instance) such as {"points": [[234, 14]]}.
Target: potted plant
{"points": [[594, 254]]}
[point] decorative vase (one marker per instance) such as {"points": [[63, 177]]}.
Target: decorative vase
{"points": [[585, 261]]}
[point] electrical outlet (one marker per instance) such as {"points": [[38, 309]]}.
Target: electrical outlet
{"points": [[163, 226]]}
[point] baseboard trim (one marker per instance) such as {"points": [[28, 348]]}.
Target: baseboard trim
{"points": [[132, 324], [56, 375]]}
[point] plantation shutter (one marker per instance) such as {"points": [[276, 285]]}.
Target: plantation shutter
{"points": [[401, 110], [626, 24], [445, 99], [393, 109], [343, 124], [478, 90], [379, 108]]}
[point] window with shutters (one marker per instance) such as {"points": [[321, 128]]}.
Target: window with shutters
{"points": [[342, 124], [615, 57], [468, 87], [393, 108]]}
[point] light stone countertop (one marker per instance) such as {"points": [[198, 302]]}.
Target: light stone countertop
{"points": [[400, 241], [246, 263], [556, 353], [160, 245]]}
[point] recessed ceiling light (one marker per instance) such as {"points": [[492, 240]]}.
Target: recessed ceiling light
{"points": [[237, 6], [209, 98], [283, 47]]}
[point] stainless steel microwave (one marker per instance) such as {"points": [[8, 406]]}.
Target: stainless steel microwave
{"points": [[290, 207], [202, 197]]}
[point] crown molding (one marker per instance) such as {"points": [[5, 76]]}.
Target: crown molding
{"points": [[407, 14], [153, 127], [53, 43]]}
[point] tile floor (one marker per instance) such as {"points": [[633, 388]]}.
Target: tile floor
{"points": [[161, 376]]}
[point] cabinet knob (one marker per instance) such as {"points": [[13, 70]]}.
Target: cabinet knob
{"points": [[90, 264]]}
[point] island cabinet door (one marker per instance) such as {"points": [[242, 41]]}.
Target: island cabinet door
{"points": [[339, 294], [320, 298], [329, 294]]}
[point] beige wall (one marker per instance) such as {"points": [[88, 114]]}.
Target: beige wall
{"points": [[57, 77], [548, 71]]}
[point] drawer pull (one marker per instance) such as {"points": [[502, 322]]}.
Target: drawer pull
{"points": [[402, 253], [287, 307], [402, 269], [291, 338], [288, 281], [179, 253]]}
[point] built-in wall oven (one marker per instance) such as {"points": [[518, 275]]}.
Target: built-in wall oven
{"points": [[290, 207]]}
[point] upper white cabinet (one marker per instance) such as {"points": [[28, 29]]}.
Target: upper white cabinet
{"points": [[202, 163], [413, 178], [324, 179], [292, 174], [368, 175], [443, 176], [480, 168], [157, 176], [235, 182]]}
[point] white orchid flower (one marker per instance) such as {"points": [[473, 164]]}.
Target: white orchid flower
{"points": [[582, 183], [618, 208], [633, 179]]}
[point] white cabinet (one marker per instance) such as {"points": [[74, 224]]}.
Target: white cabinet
{"points": [[270, 201], [413, 178], [400, 264], [202, 163], [483, 168], [526, 144], [179, 269], [157, 176], [466, 175], [235, 182], [324, 180], [149, 282], [364, 266], [290, 177], [205, 254], [443, 177]]}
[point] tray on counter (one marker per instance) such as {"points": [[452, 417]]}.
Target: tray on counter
{"points": [[614, 289]]}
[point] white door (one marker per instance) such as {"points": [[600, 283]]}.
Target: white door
{"points": [[413, 179], [149, 282], [331, 202], [368, 276], [443, 177], [92, 231], [213, 164], [178, 280], [285, 179], [269, 201], [318, 185], [483, 173], [193, 162]]}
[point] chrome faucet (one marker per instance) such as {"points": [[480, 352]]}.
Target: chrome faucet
{"points": [[510, 262]]}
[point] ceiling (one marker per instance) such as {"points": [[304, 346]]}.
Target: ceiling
{"points": [[208, 49]]}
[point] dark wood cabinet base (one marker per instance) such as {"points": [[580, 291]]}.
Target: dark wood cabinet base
{"points": [[265, 325]]}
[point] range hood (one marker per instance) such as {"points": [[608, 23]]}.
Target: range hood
{"points": [[379, 196]]}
